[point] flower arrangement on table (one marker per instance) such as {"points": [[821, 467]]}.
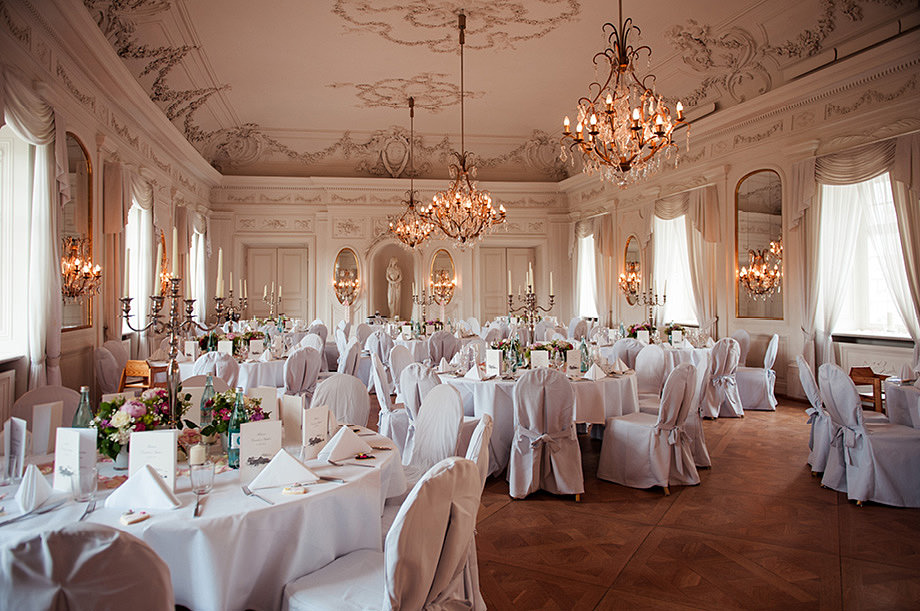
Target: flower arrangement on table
{"points": [[644, 326], [556, 346], [436, 323], [117, 419], [240, 341], [669, 328], [220, 408]]}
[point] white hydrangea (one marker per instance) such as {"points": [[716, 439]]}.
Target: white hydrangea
{"points": [[120, 419]]}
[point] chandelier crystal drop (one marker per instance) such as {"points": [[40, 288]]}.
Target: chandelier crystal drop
{"points": [[624, 129], [79, 277], [763, 276], [463, 212], [411, 228]]}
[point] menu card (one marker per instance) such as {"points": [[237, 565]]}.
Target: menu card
{"points": [[157, 449], [291, 418], [14, 447], [539, 358], [677, 339], [259, 442], [407, 331], [573, 360], [74, 456], [269, 400], [46, 418], [642, 336], [225, 346], [316, 421], [429, 329], [256, 347], [493, 362], [191, 350], [194, 409]]}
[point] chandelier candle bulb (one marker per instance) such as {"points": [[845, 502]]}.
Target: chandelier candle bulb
{"points": [[219, 292], [126, 282], [175, 252], [565, 125]]}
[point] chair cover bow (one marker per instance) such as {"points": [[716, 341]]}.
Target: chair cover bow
{"points": [[676, 437], [724, 382], [535, 440], [849, 436]]}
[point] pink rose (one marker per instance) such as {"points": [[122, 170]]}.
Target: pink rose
{"points": [[134, 408]]}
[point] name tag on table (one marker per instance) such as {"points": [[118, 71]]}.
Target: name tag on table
{"points": [[74, 456], [225, 346], [194, 408], [14, 447], [539, 358], [493, 362], [256, 347], [191, 350], [642, 336], [291, 411], [157, 449], [316, 425], [429, 329], [573, 360], [677, 339], [407, 331], [46, 418], [259, 442]]}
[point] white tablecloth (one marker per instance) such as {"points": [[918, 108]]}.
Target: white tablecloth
{"points": [[252, 374], [594, 403], [418, 348], [902, 403], [675, 356], [241, 551]]}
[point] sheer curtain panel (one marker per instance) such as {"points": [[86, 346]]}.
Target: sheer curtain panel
{"points": [[905, 186]]}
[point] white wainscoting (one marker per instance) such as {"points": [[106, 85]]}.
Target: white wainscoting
{"points": [[7, 394], [882, 359]]}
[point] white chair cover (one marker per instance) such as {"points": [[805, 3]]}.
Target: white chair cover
{"points": [[822, 429], [641, 451], [544, 453], [744, 344], [346, 396], [478, 450], [755, 384], [301, 370], [493, 335], [362, 332], [868, 461], [341, 341], [22, 408], [108, 372], [381, 344], [693, 426], [627, 349], [437, 430], [348, 360], [417, 380], [721, 395], [400, 358], [219, 365], [118, 350], [86, 566], [426, 562], [650, 377], [200, 382], [442, 344], [312, 340], [319, 328], [473, 322], [391, 422]]}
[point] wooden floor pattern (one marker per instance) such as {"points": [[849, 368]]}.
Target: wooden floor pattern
{"points": [[759, 532]]}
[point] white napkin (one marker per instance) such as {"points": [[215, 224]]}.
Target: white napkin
{"points": [[686, 344], [283, 470], [343, 445], [906, 372], [620, 367], [143, 490], [475, 373], [595, 373], [266, 356], [710, 343], [444, 366], [34, 489], [158, 355], [182, 358]]}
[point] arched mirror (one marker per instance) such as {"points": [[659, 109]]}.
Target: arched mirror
{"points": [[345, 277], [81, 277], [631, 276], [759, 245], [442, 278]]}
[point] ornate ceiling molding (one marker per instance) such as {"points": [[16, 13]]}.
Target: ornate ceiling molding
{"points": [[430, 90]]}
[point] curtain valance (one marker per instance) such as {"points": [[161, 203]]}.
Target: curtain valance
{"points": [[701, 206]]}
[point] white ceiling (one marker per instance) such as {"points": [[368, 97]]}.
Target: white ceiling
{"points": [[298, 88]]}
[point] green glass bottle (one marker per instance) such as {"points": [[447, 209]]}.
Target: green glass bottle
{"points": [[83, 417], [233, 431], [206, 396], [583, 348]]}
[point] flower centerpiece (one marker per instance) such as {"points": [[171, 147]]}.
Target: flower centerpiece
{"points": [[118, 418], [208, 342], [220, 408], [668, 329], [644, 326]]}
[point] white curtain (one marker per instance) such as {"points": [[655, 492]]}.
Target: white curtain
{"points": [[905, 186], [804, 238], [702, 254], [604, 253], [33, 120], [197, 290], [585, 267], [139, 241], [672, 272]]}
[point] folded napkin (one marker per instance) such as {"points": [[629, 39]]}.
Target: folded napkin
{"points": [[686, 344], [159, 355], [443, 366], [143, 490], [343, 445], [182, 358], [266, 356], [34, 489], [710, 342], [283, 470], [475, 373], [595, 373], [620, 367], [906, 372]]}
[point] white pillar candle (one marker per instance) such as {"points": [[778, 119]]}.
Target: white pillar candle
{"points": [[551, 283], [219, 291], [245, 289], [127, 283], [175, 252], [413, 289], [197, 454], [156, 267], [509, 281]]}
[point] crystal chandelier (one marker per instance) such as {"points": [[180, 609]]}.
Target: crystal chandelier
{"points": [[79, 277], [764, 275], [345, 286], [624, 128], [463, 212], [411, 228], [630, 280], [442, 287]]}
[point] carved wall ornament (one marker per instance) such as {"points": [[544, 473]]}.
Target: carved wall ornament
{"points": [[742, 139], [872, 96], [430, 90], [347, 228], [540, 152], [86, 100], [22, 33]]}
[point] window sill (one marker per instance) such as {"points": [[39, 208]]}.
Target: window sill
{"points": [[9, 357], [873, 340]]}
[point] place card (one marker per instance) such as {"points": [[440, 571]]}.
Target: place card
{"points": [[74, 456], [429, 329], [109, 397], [573, 360], [642, 336], [191, 350], [157, 449], [407, 331], [677, 339], [315, 433], [494, 362], [256, 347], [194, 409], [14, 447], [225, 346], [268, 397], [539, 358], [259, 442], [46, 418], [291, 412]]}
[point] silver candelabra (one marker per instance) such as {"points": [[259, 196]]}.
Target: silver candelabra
{"points": [[529, 308], [423, 300], [652, 300]]}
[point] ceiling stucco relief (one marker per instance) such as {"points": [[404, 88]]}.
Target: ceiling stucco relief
{"points": [[430, 90], [499, 24]]}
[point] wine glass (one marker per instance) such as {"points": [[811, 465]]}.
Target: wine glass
{"points": [[83, 485], [202, 477]]}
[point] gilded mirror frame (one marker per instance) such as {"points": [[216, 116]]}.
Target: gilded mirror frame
{"points": [[453, 271], [776, 297], [86, 318], [357, 273], [632, 298]]}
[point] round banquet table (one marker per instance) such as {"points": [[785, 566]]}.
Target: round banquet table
{"points": [[902, 402], [252, 373], [675, 356], [418, 348], [595, 401], [241, 551]]}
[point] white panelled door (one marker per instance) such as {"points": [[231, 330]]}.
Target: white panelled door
{"points": [[494, 266], [286, 268]]}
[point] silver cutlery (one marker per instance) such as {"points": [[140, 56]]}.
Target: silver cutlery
{"points": [[90, 508], [197, 511], [249, 492], [349, 464], [35, 512]]}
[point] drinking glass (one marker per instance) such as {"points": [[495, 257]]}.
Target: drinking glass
{"points": [[83, 485], [202, 477]]}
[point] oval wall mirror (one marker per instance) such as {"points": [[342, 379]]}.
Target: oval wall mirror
{"points": [[442, 277], [631, 277], [76, 234], [346, 276], [759, 245]]}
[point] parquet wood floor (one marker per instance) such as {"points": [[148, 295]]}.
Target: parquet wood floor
{"points": [[759, 532]]}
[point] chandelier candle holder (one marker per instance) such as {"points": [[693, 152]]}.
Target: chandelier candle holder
{"points": [[463, 212], [631, 280], [624, 128], [274, 303], [79, 277], [345, 286], [442, 290], [175, 325], [764, 275], [411, 228], [423, 300], [528, 308], [652, 300]]}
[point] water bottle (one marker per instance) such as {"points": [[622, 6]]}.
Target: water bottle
{"points": [[84, 415], [233, 431], [207, 396], [583, 348]]}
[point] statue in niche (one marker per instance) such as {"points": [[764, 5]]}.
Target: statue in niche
{"points": [[394, 286]]}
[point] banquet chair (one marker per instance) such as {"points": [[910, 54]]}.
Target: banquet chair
{"points": [[315, 341], [650, 378], [417, 380], [341, 341], [493, 335], [822, 429], [200, 381], [348, 359], [627, 349], [442, 344], [475, 327], [641, 450], [219, 365], [137, 375], [118, 350], [426, 561], [400, 358], [362, 332], [578, 329], [381, 344], [346, 396], [301, 370], [755, 384], [544, 451], [108, 372], [319, 328], [478, 450], [22, 408], [84, 566], [392, 422], [540, 329], [877, 462], [437, 430], [721, 395], [744, 344]]}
